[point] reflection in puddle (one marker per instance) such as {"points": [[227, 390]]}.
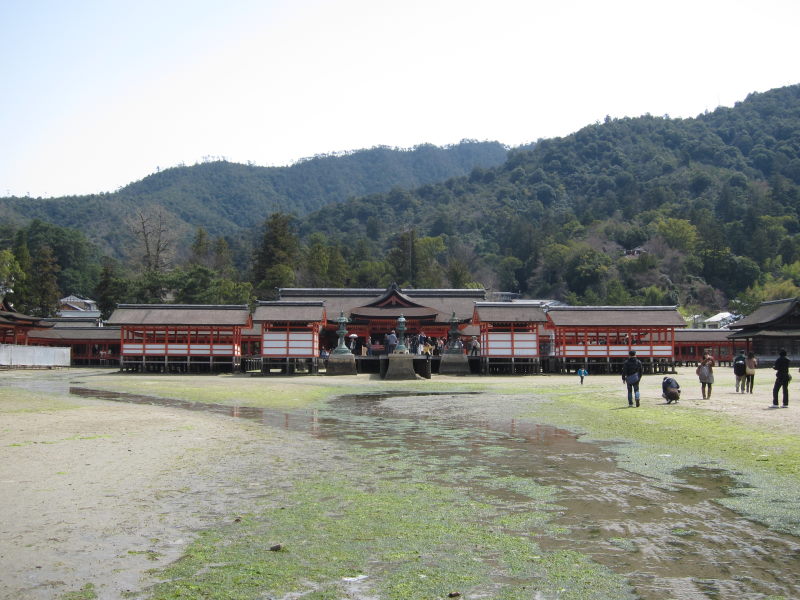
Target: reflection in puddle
{"points": [[669, 543]]}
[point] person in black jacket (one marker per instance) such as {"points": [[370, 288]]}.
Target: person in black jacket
{"points": [[782, 379], [631, 375], [670, 390], [740, 370]]}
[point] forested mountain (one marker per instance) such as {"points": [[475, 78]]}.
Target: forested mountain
{"points": [[701, 212], [713, 201], [224, 198]]}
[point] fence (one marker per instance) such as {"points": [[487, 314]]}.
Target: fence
{"points": [[33, 356]]}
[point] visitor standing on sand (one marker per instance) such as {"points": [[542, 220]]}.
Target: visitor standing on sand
{"points": [[782, 379], [705, 373], [582, 373], [751, 364], [740, 370], [631, 376]]}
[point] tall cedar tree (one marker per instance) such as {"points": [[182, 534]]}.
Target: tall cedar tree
{"points": [[275, 261], [43, 292], [111, 289]]}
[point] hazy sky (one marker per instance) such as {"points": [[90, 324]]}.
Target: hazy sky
{"points": [[97, 94]]}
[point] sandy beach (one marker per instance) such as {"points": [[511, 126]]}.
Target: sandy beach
{"points": [[101, 491]]}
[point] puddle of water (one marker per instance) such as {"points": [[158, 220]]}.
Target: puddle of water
{"points": [[669, 543]]}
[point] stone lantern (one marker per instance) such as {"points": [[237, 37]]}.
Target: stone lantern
{"points": [[454, 337], [341, 348], [401, 336]]}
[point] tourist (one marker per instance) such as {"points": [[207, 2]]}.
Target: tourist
{"points": [[740, 370], [782, 379], [705, 373], [474, 347], [582, 373], [670, 390], [391, 342], [631, 376], [751, 365]]}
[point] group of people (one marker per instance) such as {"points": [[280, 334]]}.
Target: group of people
{"points": [[418, 343], [744, 368]]}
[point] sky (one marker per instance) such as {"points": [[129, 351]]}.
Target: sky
{"points": [[96, 94]]}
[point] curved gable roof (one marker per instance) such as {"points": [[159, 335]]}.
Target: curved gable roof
{"points": [[766, 313]]}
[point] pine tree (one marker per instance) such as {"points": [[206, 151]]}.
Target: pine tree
{"points": [[43, 292], [275, 261]]}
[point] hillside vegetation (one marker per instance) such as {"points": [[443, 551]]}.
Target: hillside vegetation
{"points": [[713, 201], [701, 212], [227, 198]]}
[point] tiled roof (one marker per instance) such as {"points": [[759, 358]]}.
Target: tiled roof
{"points": [[766, 313], [616, 316], [181, 314], [279, 311], [510, 312], [702, 335], [77, 333]]}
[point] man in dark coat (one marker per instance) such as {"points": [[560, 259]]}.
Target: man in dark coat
{"points": [[631, 375], [782, 379]]}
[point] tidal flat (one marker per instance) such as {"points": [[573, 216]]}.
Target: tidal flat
{"points": [[327, 487]]}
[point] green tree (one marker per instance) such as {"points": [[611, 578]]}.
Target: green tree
{"points": [[402, 259], [10, 272], [586, 267], [275, 260], [617, 294], [276, 277], [730, 273], [317, 258], [112, 289], [194, 285], [429, 270], [507, 273], [222, 260], [42, 292], [678, 233], [24, 261], [201, 248], [338, 271]]}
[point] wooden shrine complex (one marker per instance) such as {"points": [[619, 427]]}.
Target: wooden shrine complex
{"points": [[295, 333]]}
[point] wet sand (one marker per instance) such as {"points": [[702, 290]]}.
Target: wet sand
{"points": [[100, 492], [103, 492]]}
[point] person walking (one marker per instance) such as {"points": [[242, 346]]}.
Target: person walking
{"points": [[631, 376], [582, 373], [740, 370], [705, 373], [751, 365], [782, 379]]}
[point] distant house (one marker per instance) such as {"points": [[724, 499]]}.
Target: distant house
{"points": [[635, 252], [719, 320], [77, 307]]}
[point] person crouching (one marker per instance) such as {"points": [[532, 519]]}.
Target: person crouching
{"points": [[670, 390]]}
